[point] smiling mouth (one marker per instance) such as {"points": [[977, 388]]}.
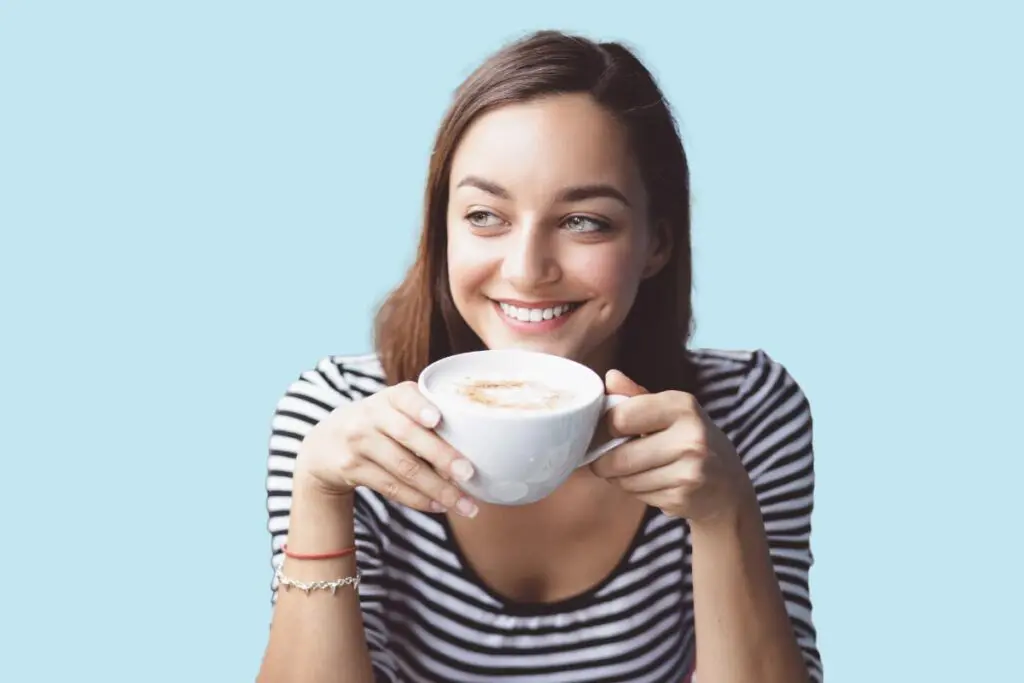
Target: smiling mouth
{"points": [[525, 314]]}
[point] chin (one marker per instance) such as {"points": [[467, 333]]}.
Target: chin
{"points": [[543, 346], [576, 339], [572, 348]]}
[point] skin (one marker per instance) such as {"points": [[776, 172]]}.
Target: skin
{"points": [[513, 234]]}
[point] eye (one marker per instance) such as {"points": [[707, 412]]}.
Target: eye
{"points": [[483, 219], [584, 224]]}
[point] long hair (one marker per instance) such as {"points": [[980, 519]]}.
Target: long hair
{"points": [[418, 322]]}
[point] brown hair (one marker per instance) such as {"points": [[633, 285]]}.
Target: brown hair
{"points": [[418, 322]]}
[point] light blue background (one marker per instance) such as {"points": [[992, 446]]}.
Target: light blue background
{"points": [[198, 200]]}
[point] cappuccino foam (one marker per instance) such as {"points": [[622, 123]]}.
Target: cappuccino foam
{"points": [[506, 392]]}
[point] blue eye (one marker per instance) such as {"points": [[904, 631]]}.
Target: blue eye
{"points": [[483, 219], [585, 224]]}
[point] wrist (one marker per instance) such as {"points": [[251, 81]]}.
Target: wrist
{"points": [[739, 513], [309, 488], [319, 520]]}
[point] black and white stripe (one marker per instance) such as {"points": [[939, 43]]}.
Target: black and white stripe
{"points": [[428, 618]]}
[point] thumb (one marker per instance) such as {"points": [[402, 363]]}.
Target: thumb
{"points": [[616, 382]]}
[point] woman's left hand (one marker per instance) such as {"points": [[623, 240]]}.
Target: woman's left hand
{"points": [[680, 462]]}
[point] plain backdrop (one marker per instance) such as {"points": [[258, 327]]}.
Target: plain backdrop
{"points": [[198, 200]]}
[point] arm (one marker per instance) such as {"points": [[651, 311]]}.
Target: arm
{"points": [[321, 638], [743, 631], [318, 638], [750, 568]]}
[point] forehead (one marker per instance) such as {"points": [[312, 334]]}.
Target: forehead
{"points": [[542, 145]]}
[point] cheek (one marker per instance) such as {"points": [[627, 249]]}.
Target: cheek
{"points": [[469, 266], [609, 274]]}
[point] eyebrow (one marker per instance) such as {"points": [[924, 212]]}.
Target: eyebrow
{"points": [[569, 194]]}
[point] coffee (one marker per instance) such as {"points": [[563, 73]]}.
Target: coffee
{"points": [[507, 392], [525, 420]]}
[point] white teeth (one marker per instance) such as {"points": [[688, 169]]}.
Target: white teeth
{"points": [[535, 315]]}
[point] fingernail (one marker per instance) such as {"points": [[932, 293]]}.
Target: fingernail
{"points": [[437, 507], [430, 417], [462, 470], [466, 507]]}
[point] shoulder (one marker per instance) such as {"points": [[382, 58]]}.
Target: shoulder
{"points": [[738, 387], [350, 377], [333, 380], [312, 396]]}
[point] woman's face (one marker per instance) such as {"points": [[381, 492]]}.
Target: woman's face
{"points": [[548, 232]]}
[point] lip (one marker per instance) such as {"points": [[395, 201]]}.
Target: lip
{"points": [[534, 304], [540, 327]]}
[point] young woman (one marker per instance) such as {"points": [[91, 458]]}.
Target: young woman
{"points": [[556, 219]]}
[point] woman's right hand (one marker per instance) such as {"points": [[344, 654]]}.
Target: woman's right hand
{"points": [[387, 443]]}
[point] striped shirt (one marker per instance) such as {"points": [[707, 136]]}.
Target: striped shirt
{"points": [[429, 617]]}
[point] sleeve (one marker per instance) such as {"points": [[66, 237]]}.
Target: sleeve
{"points": [[308, 400], [773, 436]]}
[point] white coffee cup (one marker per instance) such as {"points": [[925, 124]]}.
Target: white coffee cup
{"points": [[519, 455]]}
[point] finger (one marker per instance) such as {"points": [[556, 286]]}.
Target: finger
{"points": [[687, 472], [406, 397], [405, 467], [642, 414], [635, 456], [677, 500], [411, 424], [375, 477], [616, 382]]}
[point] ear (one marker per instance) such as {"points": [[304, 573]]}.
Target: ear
{"points": [[661, 249]]}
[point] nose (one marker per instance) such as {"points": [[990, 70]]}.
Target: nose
{"points": [[530, 260]]}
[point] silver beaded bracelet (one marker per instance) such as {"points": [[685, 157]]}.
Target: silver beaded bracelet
{"points": [[332, 586]]}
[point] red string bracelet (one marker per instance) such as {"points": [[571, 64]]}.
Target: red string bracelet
{"points": [[317, 556]]}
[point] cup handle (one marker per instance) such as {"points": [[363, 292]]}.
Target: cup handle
{"points": [[610, 401]]}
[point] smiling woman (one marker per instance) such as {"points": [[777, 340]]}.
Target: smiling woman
{"points": [[557, 153], [556, 220], [564, 225]]}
